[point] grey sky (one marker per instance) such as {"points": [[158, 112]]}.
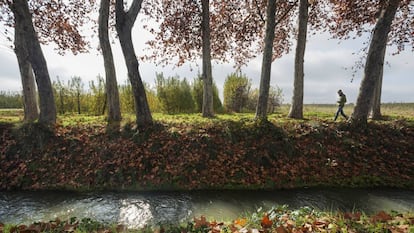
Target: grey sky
{"points": [[325, 63]]}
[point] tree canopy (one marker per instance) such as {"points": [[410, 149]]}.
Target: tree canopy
{"points": [[347, 19], [58, 22]]}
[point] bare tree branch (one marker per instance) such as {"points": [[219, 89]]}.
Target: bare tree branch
{"points": [[259, 12]]}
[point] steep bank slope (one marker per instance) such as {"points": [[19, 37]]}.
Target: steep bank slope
{"points": [[228, 155]]}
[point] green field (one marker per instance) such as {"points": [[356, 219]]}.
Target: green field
{"points": [[390, 111]]}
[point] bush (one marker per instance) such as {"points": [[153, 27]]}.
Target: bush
{"points": [[127, 98], [174, 95], [274, 101], [11, 100], [98, 96], [236, 92]]}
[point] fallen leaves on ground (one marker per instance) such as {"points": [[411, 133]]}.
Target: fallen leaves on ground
{"points": [[288, 221], [228, 154]]}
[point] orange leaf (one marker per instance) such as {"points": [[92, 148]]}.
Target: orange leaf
{"points": [[240, 222], [266, 222]]}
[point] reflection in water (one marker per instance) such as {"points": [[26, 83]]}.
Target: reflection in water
{"points": [[139, 209], [135, 213]]}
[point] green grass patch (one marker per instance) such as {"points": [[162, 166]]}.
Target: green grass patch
{"points": [[11, 115], [390, 111]]}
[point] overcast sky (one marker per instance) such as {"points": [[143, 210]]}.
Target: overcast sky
{"points": [[326, 63]]}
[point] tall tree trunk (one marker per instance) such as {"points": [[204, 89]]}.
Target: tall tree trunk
{"points": [[374, 63], [296, 109], [376, 102], [78, 95], [114, 109], [31, 112], [22, 15], [207, 109], [261, 110], [61, 101], [124, 23]]}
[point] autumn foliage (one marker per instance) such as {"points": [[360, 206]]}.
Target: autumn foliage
{"points": [[227, 154], [59, 22]]}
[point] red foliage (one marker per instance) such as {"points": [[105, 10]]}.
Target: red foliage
{"points": [[266, 222]]}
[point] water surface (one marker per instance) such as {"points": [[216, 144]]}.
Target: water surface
{"points": [[137, 209]]}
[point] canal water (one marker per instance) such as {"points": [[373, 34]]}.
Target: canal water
{"points": [[137, 209]]}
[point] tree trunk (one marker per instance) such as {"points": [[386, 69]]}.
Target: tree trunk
{"points": [[61, 101], [78, 95], [22, 15], [124, 24], [261, 110], [376, 102], [114, 109], [207, 109], [296, 109], [31, 112], [374, 63]]}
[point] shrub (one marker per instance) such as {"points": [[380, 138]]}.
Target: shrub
{"points": [[174, 95], [236, 92], [11, 99], [274, 101]]}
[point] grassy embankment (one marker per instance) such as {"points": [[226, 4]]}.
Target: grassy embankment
{"points": [[226, 152]]}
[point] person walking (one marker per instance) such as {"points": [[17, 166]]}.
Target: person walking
{"points": [[341, 103]]}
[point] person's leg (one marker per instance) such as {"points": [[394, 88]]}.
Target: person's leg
{"points": [[337, 113], [343, 114]]}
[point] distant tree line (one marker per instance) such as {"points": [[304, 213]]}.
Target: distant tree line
{"points": [[10, 99], [171, 95]]}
